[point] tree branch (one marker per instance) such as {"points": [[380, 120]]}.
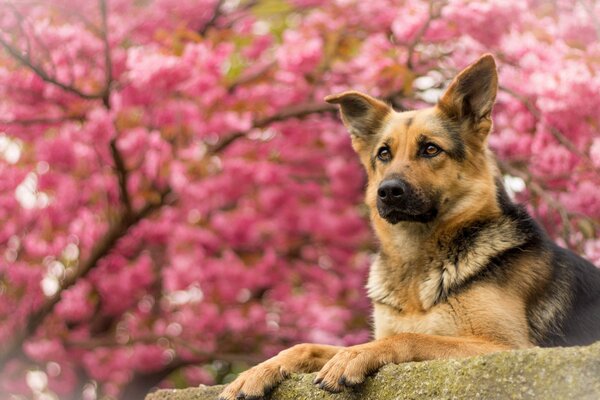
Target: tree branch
{"points": [[555, 132], [291, 112], [120, 168], [39, 42], [41, 121], [201, 355], [245, 79], [122, 176], [239, 13], [107, 55], [39, 71], [435, 11], [103, 248], [213, 19], [535, 188], [141, 383]]}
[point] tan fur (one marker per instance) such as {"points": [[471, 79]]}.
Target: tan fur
{"points": [[417, 316]]}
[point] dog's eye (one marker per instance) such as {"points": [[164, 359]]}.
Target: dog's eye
{"points": [[384, 154], [430, 150]]}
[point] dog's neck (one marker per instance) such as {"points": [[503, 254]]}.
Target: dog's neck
{"points": [[419, 264]]}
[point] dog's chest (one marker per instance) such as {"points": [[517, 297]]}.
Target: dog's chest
{"points": [[389, 321], [399, 307], [418, 275], [406, 287]]}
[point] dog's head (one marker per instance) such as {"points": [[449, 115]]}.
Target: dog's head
{"points": [[427, 164]]}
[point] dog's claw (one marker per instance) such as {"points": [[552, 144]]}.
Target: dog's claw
{"points": [[329, 388], [317, 381]]}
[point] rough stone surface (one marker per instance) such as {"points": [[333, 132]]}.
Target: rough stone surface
{"points": [[559, 373]]}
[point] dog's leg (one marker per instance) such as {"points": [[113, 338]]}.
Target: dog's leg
{"points": [[351, 365], [257, 381]]}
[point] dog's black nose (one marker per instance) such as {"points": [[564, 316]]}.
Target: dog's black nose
{"points": [[392, 190]]}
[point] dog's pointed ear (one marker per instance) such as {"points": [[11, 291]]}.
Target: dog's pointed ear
{"points": [[472, 93], [362, 114]]}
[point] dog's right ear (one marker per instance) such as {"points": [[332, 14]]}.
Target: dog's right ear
{"points": [[472, 93], [362, 114]]}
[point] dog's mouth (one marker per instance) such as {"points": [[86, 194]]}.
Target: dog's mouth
{"points": [[394, 215], [398, 200]]}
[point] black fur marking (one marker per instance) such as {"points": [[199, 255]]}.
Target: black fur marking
{"points": [[498, 267], [458, 151], [361, 114], [328, 387], [409, 122], [355, 107], [475, 86], [373, 162], [544, 306], [581, 324], [566, 312], [254, 397], [502, 197]]}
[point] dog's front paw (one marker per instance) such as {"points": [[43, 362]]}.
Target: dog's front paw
{"points": [[350, 367], [254, 383]]}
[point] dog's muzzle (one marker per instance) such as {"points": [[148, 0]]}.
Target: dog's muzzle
{"points": [[397, 201]]}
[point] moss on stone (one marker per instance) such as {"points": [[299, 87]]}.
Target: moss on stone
{"points": [[559, 373]]}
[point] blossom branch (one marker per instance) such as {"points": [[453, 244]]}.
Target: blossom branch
{"points": [[107, 55], [435, 12], [291, 112], [201, 355], [42, 121], [40, 43], [39, 71], [103, 248], [237, 14], [211, 22], [555, 132], [245, 79], [122, 176], [141, 383], [535, 188], [120, 168]]}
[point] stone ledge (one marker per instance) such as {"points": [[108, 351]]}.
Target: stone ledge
{"points": [[558, 373]]}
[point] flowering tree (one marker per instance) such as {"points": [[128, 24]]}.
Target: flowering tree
{"points": [[177, 201]]}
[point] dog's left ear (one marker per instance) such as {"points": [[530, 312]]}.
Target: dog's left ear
{"points": [[472, 93], [362, 114]]}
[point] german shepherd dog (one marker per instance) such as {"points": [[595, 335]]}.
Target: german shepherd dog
{"points": [[461, 270]]}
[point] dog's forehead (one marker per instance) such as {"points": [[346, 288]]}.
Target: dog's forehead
{"points": [[419, 121]]}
